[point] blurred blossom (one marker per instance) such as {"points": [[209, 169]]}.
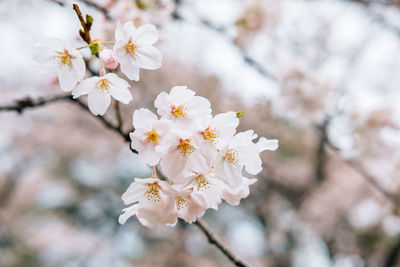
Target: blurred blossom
{"points": [[366, 214]]}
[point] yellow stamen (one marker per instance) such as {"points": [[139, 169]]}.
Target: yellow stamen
{"points": [[153, 137], [185, 147], [131, 47], [232, 156], [63, 58], [181, 202], [201, 183], [179, 111], [153, 193], [210, 134], [103, 85]]}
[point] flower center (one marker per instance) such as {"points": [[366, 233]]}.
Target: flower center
{"points": [[181, 202], [201, 182], [153, 137], [63, 58], [103, 85], [210, 134], [153, 192], [185, 147], [131, 47], [179, 111], [232, 156]]}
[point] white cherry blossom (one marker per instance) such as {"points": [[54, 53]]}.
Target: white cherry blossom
{"points": [[58, 55], [188, 206], [151, 201], [148, 135], [241, 151], [233, 195], [134, 49], [182, 105], [207, 186], [182, 156], [99, 90]]}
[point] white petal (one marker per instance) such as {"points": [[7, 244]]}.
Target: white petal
{"points": [[163, 105], [148, 57], [121, 94], [267, 144], [130, 68], [128, 212], [85, 86], [146, 35], [129, 28], [120, 33], [144, 118], [98, 102], [66, 78]]}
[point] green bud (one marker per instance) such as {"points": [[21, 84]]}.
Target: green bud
{"points": [[239, 113], [89, 21], [95, 48]]}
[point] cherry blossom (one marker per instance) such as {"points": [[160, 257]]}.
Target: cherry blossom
{"points": [[241, 151], [99, 90], [182, 156], [181, 105], [152, 202], [188, 206], [134, 49], [107, 56], [149, 135], [58, 55]]}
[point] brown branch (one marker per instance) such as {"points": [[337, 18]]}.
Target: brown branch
{"points": [[214, 239], [86, 24], [27, 102]]}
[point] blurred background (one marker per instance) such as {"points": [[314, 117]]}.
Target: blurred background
{"points": [[322, 76]]}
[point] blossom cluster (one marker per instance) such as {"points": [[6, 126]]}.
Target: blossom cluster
{"points": [[201, 155], [133, 50]]}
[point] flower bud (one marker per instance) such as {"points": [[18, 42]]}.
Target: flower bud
{"points": [[107, 56]]}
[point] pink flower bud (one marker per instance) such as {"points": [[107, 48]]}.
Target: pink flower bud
{"points": [[107, 56]]}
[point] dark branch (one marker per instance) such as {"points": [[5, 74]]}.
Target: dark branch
{"points": [[213, 239], [22, 104]]}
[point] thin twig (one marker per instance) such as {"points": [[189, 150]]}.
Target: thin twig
{"points": [[86, 25], [214, 239], [27, 102]]}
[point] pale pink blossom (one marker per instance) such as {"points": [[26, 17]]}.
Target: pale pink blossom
{"points": [[134, 49], [151, 201], [241, 152], [182, 156], [99, 90], [233, 195], [58, 55], [208, 187], [107, 56], [149, 135], [182, 105], [188, 206]]}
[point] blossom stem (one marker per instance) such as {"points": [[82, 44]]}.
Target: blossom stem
{"points": [[154, 172]]}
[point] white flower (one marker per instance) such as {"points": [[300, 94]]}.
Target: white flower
{"points": [[182, 156], [214, 133], [55, 54], [181, 105], [99, 90], [153, 203], [189, 206], [134, 49], [241, 151], [234, 195], [148, 135], [207, 186]]}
